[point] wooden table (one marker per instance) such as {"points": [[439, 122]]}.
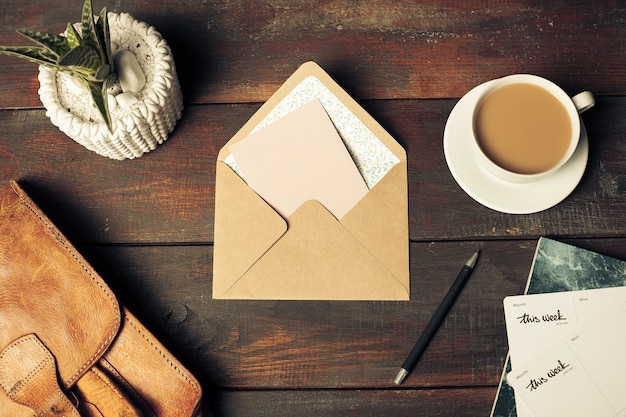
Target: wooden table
{"points": [[147, 224]]}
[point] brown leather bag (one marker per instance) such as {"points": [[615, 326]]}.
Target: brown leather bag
{"points": [[67, 348]]}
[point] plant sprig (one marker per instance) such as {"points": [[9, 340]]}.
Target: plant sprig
{"points": [[86, 55]]}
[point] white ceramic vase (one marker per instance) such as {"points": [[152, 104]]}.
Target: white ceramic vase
{"points": [[138, 126]]}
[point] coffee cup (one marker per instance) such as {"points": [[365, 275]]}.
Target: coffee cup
{"points": [[525, 127]]}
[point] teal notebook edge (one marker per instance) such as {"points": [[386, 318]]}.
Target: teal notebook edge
{"points": [[558, 267]]}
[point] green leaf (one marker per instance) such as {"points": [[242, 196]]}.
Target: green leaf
{"points": [[73, 37], [70, 71], [90, 37], [55, 43], [104, 35], [99, 98], [81, 57], [103, 72], [104, 91], [48, 55], [34, 54]]}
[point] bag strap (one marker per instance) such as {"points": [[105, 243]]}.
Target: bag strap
{"points": [[100, 395], [28, 376]]}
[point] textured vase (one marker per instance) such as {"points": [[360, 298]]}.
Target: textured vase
{"points": [[139, 126]]}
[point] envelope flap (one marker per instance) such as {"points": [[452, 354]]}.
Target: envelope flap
{"points": [[245, 227], [306, 70], [48, 288], [318, 258], [380, 222]]}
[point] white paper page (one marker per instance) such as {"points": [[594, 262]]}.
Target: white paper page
{"points": [[527, 337], [300, 157], [600, 345], [580, 375], [534, 321]]}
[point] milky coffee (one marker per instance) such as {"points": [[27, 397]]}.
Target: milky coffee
{"points": [[523, 128]]}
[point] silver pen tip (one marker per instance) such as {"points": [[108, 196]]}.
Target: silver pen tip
{"points": [[402, 373], [471, 262]]}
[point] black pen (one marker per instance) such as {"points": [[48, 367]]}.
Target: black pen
{"points": [[436, 320]]}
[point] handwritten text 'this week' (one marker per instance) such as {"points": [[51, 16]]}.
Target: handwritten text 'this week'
{"points": [[551, 373], [546, 318]]}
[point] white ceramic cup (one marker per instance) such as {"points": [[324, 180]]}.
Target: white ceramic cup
{"points": [[573, 105]]}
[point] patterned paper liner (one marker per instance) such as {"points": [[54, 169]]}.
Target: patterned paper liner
{"points": [[138, 128], [371, 156]]}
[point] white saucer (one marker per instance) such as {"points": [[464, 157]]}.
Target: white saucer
{"points": [[497, 194]]}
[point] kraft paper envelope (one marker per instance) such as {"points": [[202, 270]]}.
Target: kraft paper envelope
{"points": [[311, 255]]}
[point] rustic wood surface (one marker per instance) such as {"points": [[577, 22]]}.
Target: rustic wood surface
{"points": [[147, 225]]}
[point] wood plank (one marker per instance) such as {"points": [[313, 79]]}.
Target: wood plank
{"points": [[168, 195], [361, 403], [147, 225], [321, 344], [228, 52], [164, 196]]}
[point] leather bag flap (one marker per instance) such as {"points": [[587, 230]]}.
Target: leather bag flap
{"points": [[47, 288]]}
